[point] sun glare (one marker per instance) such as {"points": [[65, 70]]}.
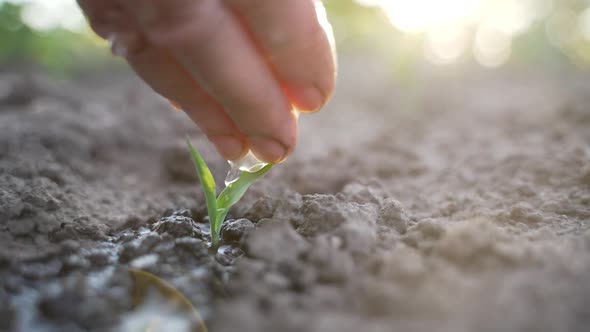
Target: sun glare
{"points": [[446, 44], [45, 15], [452, 27], [420, 15]]}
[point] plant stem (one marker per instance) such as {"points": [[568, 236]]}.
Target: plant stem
{"points": [[214, 240]]}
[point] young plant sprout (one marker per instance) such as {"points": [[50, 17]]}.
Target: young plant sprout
{"points": [[217, 208]]}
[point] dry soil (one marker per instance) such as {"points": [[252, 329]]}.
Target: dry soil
{"points": [[459, 202]]}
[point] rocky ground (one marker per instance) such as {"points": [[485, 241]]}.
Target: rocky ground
{"points": [[458, 203]]}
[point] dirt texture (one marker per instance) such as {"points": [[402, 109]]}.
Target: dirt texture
{"points": [[460, 202]]}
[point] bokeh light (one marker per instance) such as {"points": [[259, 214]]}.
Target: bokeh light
{"points": [[43, 15], [421, 15], [490, 33], [584, 23], [489, 28], [560, 27], [50, 35], [492, 46], [446, 44]]}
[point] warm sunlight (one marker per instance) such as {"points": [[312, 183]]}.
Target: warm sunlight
{"points": [[452, 27], [42, 15], [419, 15]]}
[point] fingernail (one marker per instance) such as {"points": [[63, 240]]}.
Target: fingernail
{"points": [[175, 105], [307, 98], [230, 147], [125, 43], [267, 150], [117, 44]]}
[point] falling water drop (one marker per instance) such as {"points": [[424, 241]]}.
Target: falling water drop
{"points": [[249, 163]]}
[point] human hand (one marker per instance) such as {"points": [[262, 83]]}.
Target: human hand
{"points": [[236, 67]]}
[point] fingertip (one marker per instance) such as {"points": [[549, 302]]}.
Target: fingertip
{"points": [[305, 98], [268, 150], [175, 105], [229, 147]]}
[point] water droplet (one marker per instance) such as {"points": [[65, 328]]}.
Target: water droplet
{"points": [[247, 164], [232, 175]]}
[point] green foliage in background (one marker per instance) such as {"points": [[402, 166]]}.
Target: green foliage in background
{"points": [[364, 30], [59, 51]]}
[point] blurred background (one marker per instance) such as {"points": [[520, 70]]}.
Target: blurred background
{"points": [[409, 35]]}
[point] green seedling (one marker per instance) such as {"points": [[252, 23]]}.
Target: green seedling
{"points": [[217, 208]]}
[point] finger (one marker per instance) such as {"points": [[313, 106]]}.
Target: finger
{"points": [[299, 44], [108, 20], [164, 75], [168, 79], [104, 16], [210, 43]]}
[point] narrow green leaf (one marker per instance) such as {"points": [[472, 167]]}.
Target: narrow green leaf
{"points": [[219, 208], [207, 183], [234, 191], [221, 214]]}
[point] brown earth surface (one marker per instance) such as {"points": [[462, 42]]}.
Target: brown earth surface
{"points": [[459, 203]]}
